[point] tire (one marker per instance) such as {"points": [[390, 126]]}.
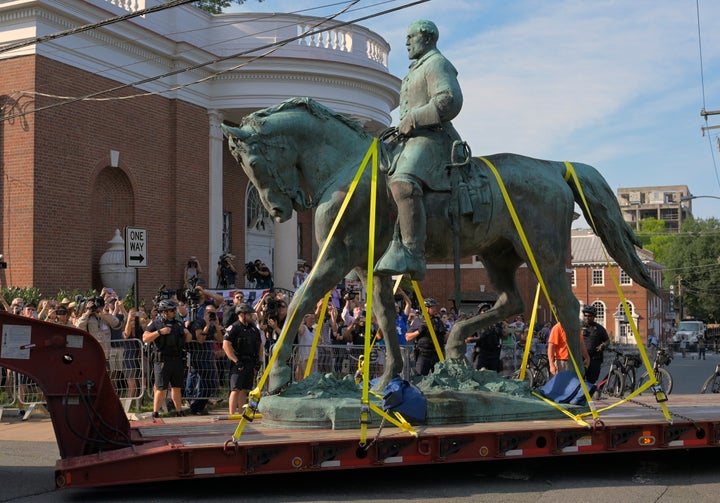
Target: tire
{"points": [[541, 377], [528, 376], [629, 382], [614, 385], [712, 384], [663, 377]]}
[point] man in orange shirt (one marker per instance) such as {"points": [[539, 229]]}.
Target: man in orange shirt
{"points": [[558, 352]]}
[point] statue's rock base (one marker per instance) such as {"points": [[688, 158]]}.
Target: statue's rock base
{"points": [[455, 394]]}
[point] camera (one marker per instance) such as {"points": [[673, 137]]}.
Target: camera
{"points": [[270, 308], [212, 316], [350, 295], [97, 303], [225, 258]]}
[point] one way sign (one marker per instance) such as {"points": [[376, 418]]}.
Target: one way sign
{"points": [[136, 247]]}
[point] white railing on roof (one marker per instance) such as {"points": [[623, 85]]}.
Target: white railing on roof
{"points": [[336, 39], [347, 43], [128, 5]]}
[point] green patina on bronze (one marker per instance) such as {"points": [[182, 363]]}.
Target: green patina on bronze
{"points": [[301, 156], [455, 394]]}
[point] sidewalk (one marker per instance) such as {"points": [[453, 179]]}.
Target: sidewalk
{"points": [[38, 428]]}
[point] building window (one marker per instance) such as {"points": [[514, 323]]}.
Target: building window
{"points": [[573, 277], [600, 316], [625, 335], [598, 277], [256, 212], [625, 278], [227, 232]]}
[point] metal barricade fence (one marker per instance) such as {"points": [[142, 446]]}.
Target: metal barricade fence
{"points": [[18, 390], [344, 359], [206, 375], [126, 365], [7, 389]]}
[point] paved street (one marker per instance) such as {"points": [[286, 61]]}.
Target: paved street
{"points": [[28, 453]]}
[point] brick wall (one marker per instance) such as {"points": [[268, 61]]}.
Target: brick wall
{"points": [[61, 199]]}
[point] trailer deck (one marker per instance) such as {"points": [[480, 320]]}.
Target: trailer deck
{"points": [[99, 446]]}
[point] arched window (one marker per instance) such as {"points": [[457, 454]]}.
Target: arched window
{"points": [[600, 316], [625, 334], [259, 231], [257, 215]]}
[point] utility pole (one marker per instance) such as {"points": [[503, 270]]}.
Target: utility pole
{"points": [[679, 299], [704, 113]]}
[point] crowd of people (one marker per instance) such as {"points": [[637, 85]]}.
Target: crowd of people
{"points": [[196, 347]]}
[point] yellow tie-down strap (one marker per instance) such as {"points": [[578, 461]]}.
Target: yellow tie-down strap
{"points": [[570, 173], [255, 394], [652, 379], [536, 270]]}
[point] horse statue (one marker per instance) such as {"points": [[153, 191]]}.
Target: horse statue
{"points": [[301, 155]]}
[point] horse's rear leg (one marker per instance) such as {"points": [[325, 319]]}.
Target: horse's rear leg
{"points": [[567, 309], [501, 273], [386, 315]]}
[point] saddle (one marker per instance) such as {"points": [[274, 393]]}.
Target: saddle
{"points": [[473, 190]]}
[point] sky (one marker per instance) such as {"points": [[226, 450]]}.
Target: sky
{"points": [[616, 84]]}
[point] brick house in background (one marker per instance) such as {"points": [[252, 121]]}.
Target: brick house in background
{"points": [[593, 283], [145, 149]]}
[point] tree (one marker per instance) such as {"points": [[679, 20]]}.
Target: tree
{"points": [[217, 6], [654, 237], [693, 259]]}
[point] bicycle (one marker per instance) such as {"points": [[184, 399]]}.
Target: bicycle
{"points": [[662, 375], [712, 384], [537, 372], [621, 375]]}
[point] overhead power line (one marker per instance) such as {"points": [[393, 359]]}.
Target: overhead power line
{"points": [[213, 61], [92, 26]]}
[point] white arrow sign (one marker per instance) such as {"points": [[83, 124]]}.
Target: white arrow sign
{"points": [[136, 249]]}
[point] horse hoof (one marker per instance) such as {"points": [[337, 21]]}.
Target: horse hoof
{"points": [[278, 381]]}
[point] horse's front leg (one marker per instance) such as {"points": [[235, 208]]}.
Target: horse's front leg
{"points": [[303, 302], [386, 315]]}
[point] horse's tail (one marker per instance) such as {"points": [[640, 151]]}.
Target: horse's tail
{"points": [[606, 219]]}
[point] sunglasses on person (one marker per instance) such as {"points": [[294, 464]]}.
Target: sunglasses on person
{"points": [[61, 311]]}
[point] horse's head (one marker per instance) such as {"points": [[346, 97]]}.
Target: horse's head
{"points": [[270, 167]]}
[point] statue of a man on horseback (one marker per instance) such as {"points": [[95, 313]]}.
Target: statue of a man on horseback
{"points": [[430, 98]]}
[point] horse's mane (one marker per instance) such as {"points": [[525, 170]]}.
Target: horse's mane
{"points": [[257, 119]]}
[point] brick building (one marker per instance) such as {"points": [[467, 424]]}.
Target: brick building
{"points": [[593, 283], [119, 126]]}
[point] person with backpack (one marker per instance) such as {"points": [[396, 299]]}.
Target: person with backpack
{"points": [[243, 346]]}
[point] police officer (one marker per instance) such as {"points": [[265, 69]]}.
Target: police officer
{"points": [[168, 337], [596, 340], [425, 353], [243, 347]]}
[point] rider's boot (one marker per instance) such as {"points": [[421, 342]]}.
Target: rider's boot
{"points": [[408, 256]]}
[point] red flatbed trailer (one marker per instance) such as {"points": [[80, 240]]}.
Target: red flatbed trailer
{"points": [[100, 447]]}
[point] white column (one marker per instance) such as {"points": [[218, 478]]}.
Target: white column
{"points": [[286, 253], [215, 194]]}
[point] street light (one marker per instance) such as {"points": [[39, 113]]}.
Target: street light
{"points": [[690, 198]]}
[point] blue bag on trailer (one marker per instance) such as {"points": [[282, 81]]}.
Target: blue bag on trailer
{"points": [[564, 387], [401, 396]]}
